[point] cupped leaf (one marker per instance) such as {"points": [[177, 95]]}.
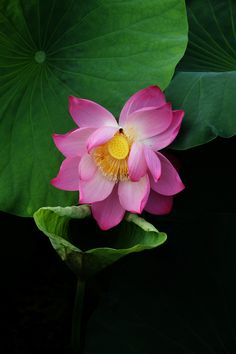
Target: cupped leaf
{"points": [[205, 83], [134, 234], [103, 50]]}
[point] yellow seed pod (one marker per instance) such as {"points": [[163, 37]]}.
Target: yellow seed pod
{"points": [[118, 147]]}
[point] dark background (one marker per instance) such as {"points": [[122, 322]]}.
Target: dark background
{"points": [[179, 298]]}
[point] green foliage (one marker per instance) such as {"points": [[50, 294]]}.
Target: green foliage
{"points": [[103, 50], [134, 234], [205, 82]]}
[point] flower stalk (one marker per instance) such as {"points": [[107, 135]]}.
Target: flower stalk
{"points": [[77, 331]]}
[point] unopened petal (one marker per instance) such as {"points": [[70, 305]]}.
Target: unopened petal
{"points": [[87, 113], [158, 204], [133, 195], [73, 143], [68, 176], [109, 212], [151, 96], [96, 189], [137, 166], [169, 182]]}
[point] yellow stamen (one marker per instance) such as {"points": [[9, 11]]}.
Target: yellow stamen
{"points": [[118, 147], [112, 157]]}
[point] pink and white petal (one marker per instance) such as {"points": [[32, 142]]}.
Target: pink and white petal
{"points": [[149, 122], [73, 143], [108, 213], [87, 167], [100, 136], [87, 113], [169, 183], [133, 195], [137, 166], [153, 163], [164, 139], [158, 204], [96, 189], [151, 96], [68, 177]]}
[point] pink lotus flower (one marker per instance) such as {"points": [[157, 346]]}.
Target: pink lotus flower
{"points": [[116, 167]]}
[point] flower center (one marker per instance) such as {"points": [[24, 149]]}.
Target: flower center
{"points": [[118, 147], [112, 157]]}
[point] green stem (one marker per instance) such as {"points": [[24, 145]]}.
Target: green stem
{"points": [[77, 341]]}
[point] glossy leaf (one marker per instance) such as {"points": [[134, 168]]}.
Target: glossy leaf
{"points": [[103, 50], [134, 234], [205, 82]]}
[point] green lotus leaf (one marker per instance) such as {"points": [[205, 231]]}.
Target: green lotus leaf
{"points": [[205, 82], [104, 50], [134, 234]]}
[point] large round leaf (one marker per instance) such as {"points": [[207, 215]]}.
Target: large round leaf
{"points": [[101, 50], [134, 234], [205, 83]]}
